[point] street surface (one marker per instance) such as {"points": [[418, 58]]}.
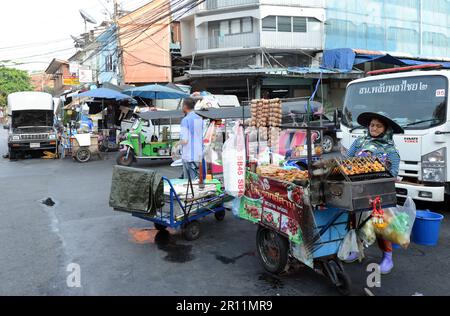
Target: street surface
{"points": [[118, 255]]}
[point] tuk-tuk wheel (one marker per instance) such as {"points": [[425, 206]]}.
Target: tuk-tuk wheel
{"points": [[220, 216], [83, 155], [273, 250], [191, 231], [160, 227], [122, 161]]}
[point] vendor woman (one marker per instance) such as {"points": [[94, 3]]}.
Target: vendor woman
{"points": [[378, 143]]}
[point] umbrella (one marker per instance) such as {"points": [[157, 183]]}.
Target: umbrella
{"points": [[156, 92], [104, 93]]}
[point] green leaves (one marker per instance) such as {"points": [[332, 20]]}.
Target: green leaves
{"points": [[13, 80]]}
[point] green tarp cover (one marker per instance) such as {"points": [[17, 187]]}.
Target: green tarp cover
{"points": [[136, 190]]}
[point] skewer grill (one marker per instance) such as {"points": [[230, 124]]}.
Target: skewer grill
{"points": [[353, 183]]}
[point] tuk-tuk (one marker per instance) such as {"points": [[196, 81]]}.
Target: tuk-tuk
{"points": [[152, 136]]}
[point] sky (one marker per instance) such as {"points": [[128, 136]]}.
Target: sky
{"points": [[33, 32]]}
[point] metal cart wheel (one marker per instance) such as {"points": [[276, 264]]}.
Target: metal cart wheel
{"points": [[160, 227], [273, 250], [83, 155], [335, 272], [220, 216], [191, 231], [123, 161]]}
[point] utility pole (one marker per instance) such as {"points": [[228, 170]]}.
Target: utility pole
{"points": [[119, 45]]}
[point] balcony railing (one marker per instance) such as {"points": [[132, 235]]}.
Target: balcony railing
{"points": [[280, 40], [247, 40], [295, 3], [220, 4]]}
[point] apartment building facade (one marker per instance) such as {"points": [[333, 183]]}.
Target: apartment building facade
{"points": [[253, 42], [250, 47]]}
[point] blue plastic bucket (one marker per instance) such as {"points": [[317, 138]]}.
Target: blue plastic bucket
{"points": [[426, 228]]}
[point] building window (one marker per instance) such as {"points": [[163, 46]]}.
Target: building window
{"points": [[269, 23], [284, 24], [236, 26], [109, 64], [299, 24], [288, 24], [224, 28], [247, 25]]}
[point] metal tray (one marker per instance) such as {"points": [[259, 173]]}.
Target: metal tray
{"points": [[357, 196]]}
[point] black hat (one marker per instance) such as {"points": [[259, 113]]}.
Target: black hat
{"points": [[365, 118]]}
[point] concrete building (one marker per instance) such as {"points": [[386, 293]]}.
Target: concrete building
{"points": [[406, 27], [42, 82], [254, 48], [133, 51], [59, 73], [254, 42]]}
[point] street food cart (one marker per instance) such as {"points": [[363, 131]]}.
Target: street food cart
{"points": [[84, 146], [303, 214]]}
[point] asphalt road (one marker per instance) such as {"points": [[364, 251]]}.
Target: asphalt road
{"points": [[118, 255]]}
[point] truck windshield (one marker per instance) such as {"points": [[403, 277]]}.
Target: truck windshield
{"points": [[32, 119], [413, 102]]}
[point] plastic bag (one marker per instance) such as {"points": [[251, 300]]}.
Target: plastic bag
{"points": [[234, 162], [350, 244], [400, 221], [367, 232]]}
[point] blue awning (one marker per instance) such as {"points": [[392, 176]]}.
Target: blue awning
{"points": [[105, 93], [344, 59]]}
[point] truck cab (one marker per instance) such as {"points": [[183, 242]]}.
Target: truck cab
{"points": [[417, 101], [31, 123]]}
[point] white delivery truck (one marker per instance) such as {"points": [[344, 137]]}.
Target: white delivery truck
{"points": [[31, 123], [418, 101]]}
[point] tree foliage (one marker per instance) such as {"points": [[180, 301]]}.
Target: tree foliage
{"points": [[13, 80]]}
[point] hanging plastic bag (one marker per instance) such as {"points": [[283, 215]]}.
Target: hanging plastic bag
{"points": [[208, 142], [399, 224], [236, 207], [367, 232], [350, 244], [234, 162]]}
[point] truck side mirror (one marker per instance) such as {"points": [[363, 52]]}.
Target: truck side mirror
{"points": [[5, 126]]}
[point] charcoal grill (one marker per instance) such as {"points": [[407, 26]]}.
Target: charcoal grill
{"points": [[354, 192]]}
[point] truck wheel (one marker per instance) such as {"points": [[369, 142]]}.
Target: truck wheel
{"points": [[327, 144], [122, 159], [83, 155], [273, 250], [12, 155]]}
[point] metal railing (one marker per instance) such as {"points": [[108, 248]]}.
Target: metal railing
{"points": [[295, 3], [292, 40], [245, 40], [219, 4]]}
